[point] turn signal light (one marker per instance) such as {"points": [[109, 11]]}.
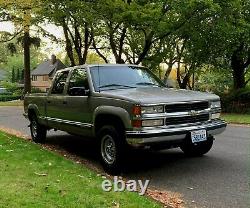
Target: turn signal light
{"points": [[136, 110]]}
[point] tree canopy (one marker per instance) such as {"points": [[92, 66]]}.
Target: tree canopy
{"points": [[186, 35]]}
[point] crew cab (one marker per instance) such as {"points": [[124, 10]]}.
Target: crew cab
{"points": [[123, 106]]}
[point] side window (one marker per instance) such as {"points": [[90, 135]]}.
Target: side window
{"points": [[59, 82], [78, 82]]}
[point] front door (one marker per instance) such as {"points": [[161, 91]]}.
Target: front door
{"points": [[78, 113]]}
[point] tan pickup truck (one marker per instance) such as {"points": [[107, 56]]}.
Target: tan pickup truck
{"points": [[122, 106]]}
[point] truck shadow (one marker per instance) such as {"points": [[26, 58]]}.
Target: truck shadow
{"points": [[137, 161]]}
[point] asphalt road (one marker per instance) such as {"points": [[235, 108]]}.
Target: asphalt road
{"points": [[219, 179]]}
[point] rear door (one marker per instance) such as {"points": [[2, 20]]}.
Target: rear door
{"points": [[56, 103]]}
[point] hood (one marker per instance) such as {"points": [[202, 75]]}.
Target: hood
{"points": [[155, 95]]}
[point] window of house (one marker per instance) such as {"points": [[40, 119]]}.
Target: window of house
{"points": [[59, 82], [34, 78], [45, 78]]}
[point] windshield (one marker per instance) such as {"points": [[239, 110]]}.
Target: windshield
{"points": [[123, 77]]}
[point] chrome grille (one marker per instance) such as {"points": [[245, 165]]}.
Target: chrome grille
{"points": [[183, 107], [187, 119]]}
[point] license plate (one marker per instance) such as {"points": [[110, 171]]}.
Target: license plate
{"points": [[199, 136]]}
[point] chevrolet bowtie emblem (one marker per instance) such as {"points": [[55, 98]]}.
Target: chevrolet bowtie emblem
{"points": [[193, 113]]}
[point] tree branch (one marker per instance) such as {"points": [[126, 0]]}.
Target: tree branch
{"points": [[13, 36], [98, 52]]}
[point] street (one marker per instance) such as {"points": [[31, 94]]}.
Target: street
{"points": [[219, 179]]}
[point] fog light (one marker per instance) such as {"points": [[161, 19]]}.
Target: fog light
{"points": [[148, 123], [215, 115]]}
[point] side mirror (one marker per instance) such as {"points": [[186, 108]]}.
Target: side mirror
{"points": [[78, 91]]}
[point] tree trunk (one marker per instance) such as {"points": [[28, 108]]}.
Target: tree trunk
{"points": [[238, 69], [168, 71], [68, 47], [26, 48], [238, 77]]}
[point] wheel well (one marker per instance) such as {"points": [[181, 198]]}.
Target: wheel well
{"points": [[107, 119], [31, 112]]}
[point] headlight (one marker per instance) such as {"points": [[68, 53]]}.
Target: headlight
{"points": [[155, 122], [215, 104], [152, 109]]}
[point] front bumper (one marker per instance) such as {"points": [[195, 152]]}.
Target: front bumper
{"points": [[165, 134]]}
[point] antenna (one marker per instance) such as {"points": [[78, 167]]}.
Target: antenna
{"points": [[99, 79]]}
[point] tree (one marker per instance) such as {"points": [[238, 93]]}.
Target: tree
{"points": [[75, 19], [136, 31], [13, 75], [224, 39], [19, 12]]}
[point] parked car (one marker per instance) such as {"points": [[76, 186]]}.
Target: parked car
{"points": [[122, 106], [3, 90]]}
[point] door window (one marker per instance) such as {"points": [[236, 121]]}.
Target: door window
{"points": [[60, 82], [78, 82]]}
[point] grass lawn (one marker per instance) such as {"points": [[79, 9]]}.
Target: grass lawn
{"points": [[236, 118], [12, 103], [31, 176]]}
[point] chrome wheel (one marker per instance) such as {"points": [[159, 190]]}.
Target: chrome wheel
{"points": [[34, 128], [108, 149]]}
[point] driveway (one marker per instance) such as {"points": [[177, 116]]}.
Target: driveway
{"points": [[219, 179]]}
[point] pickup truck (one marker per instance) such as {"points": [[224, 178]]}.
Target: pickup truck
{"points": [[123, 106]]}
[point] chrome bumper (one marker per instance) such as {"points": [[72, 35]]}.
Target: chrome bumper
{"points": [[152, 136]]}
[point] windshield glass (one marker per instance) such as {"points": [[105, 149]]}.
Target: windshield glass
{"points": [[123, 77]]}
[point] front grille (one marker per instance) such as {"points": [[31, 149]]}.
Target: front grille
{"points": [[183, 107], [187, 119]]}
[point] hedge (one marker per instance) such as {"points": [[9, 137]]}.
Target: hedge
{"points": [[4, 98], [237, 101]]}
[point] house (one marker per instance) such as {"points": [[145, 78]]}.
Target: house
{"points": [[42, 76]]}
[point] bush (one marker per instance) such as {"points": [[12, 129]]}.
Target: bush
{"points": [[4, 98], [237, 101], [11, 87], [36, 90]]}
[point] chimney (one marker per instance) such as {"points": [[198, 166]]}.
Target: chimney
{"points": [[53, 59]]}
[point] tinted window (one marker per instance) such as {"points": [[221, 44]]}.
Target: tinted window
{"points": [[79, 78], [59, 82], [112, 77]]}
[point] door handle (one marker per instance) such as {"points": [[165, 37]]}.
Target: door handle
{"points": [[64, 102]]}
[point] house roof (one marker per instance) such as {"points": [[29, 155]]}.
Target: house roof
{"points": [[47, 68]]}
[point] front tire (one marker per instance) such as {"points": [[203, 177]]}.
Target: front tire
{"points": [[111, 147], [197, 149], [38, 131]]}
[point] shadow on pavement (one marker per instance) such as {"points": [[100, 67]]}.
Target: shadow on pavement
{"points": [[137, 160]]}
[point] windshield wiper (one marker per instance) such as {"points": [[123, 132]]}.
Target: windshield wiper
{"points": [[115, 85], [146, 83]]}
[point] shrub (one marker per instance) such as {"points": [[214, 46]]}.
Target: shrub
{"points": [[237, 101], [4, 98], [36, 90]]}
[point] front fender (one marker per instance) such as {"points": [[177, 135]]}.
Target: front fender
{"points": [[115, 111]]}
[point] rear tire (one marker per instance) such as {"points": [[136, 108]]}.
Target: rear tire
{"points": [[111, 148], [38, 131], [197, 149]]}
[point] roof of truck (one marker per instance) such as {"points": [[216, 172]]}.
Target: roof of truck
{"points": [[96, 65]]}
